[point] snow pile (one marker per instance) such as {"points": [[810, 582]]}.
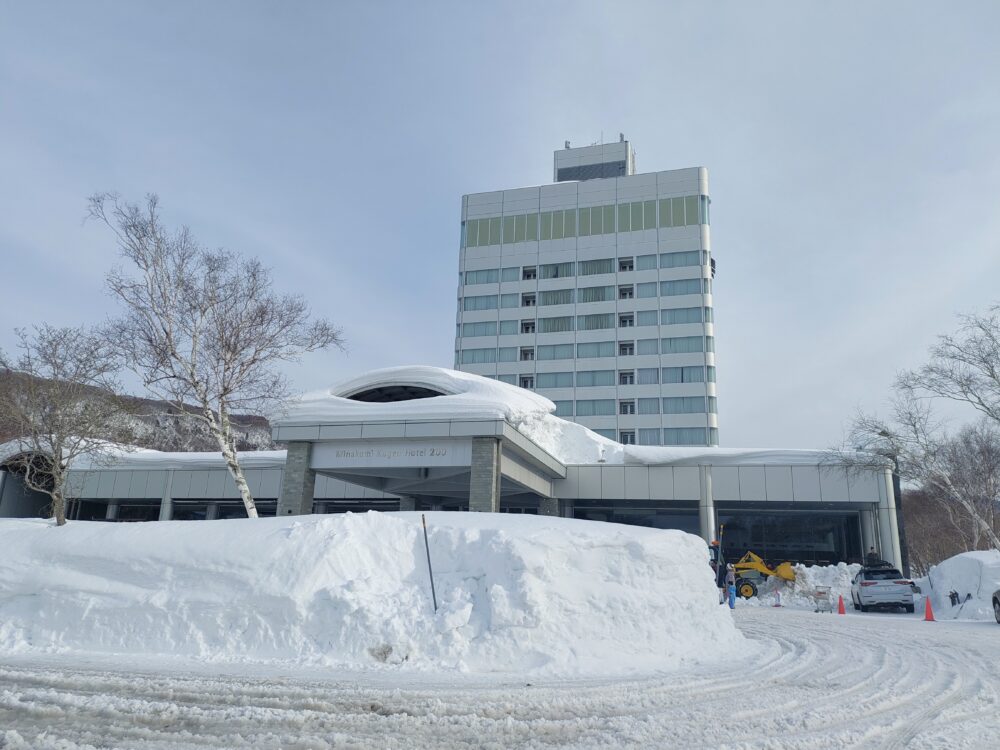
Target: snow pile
{"points": [[515, 593], [801, 593], [975, 574]]}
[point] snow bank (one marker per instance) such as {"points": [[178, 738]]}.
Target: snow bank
{"points": [[800, 593], [516, 593], [969, 573]]}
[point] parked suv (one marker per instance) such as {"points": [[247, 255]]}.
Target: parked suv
{"points": [[881, 587]]}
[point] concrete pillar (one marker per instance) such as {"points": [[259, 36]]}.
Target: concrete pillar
{"points": [[111, 513], [548, 506], [299, 482], [867, 530], [484, 480], [212, 512], [706, 505], [167, 501], [407, 503], [887, 523]]}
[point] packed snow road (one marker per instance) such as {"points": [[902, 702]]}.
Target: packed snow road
{"points": [[813, 681]]}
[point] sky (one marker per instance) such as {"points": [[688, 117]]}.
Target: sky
{"points": [[852, 149]]}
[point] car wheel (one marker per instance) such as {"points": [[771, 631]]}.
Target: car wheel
{"points": [[864, 608], [855, 603], [909, 608], [996, 609]]}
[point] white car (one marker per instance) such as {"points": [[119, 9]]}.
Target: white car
{"points": [[881, 587]]}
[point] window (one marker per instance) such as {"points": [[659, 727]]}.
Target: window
{"points": [[519, 225], [556, 325], [531, 232], [684, 436], [508, 230], [624, 225], [626, 407], [510, 274], [597, 294], [626, 377], [593, 378], [626, 264], [584, 222], [527, 353], [596, 349], [648, 346], [626, 320], [555, 270], [592, 267], [682, 286], [626, 291], [494, 232], [646, 289], [647, 317], [602, 407], [488, 276], [554, 351], [646, 262], [526, 381], [528, 273], [527, 326], [545, 220], [684, 405], [647, 376], [508, 354], [626, 348], [564, 408], [681, 315], [508, 327], [694, 374], [486, 328], [470, 233], [649, 406], [556, 297], [510, 300], [626, 437], [486, 302], [609, 434], [527, 300], [554, 380], [609, 219], [511, 379], [478, 356], [711, 374], [679, 260], [649, 436], [713, 405], [595, 322], [682, 345]]}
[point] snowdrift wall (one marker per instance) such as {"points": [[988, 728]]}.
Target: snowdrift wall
{"points": [[516, 593], [972, 575]]}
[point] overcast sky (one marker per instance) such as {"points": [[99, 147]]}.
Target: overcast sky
{"points": [[853, 152]]}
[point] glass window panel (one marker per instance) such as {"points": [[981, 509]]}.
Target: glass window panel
{"points": [[596, 220], [684, 436], [649, 405], [597, 294], [483, 234], [679, 260], [569, 223], [584, 222], [484, 328], [478, 356], [555, 270], [508, 354], [512, 379], [510, 274], [554, 351], [681, 286], [623, 217], [677, 211], [647, 376], [554, 380], [486, 276], [684, 405], [681, 315], [485, 302], [592, 378], [596, 322], [645, 263], [646, 289], [510, 300], [556, 297], [508, 230], [555, 325], [709, 343], [508, 327], [602, 407], [591, 267], [471, 233], [609, 220], [649, 218], [557, 225], [646, 318], [531, 232], [704, 202], [595, 349], [649, 436], [713, 405], [636, 216], [682, 345], [691, 209], [564, 408], [647, 346], [711, 374], [495, 231], [695, 374], [519, 226], [665, 212], [546, 225]]}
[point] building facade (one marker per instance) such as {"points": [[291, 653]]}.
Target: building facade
{"points": [[596, 291]]}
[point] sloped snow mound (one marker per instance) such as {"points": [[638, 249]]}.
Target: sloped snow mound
{"points": [[974, 576], [515, 593], [801, 593]]}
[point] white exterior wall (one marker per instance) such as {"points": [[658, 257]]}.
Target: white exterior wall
{"points": [[574, 195]]}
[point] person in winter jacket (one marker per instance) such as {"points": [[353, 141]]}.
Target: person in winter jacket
{"points": [[731, 585]]}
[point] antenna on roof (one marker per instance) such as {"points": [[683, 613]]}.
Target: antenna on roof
{"points": [[567, 144], [621, 138]]}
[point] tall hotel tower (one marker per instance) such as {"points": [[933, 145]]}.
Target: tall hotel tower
{"points": [[596, 291]]}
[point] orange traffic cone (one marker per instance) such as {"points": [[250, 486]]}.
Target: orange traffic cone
{"points": [[928, 612], [840, 606]]}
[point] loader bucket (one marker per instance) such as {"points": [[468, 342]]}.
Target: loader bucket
{"points": [[785, 571]]}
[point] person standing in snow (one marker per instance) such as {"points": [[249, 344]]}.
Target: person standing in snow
{"points": [[871, 559], [731, 585]]}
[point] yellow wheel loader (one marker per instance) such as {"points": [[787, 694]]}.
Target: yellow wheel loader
{"points": [[751, 569]]}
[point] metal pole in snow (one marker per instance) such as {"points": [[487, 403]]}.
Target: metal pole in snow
{"points": [[430, 570]]}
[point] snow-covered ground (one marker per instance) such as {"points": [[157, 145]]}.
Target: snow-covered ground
{"points": [[814, 681]]}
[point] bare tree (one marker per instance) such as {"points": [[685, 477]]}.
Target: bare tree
{"points": [[203, 327], [60, 403]]}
